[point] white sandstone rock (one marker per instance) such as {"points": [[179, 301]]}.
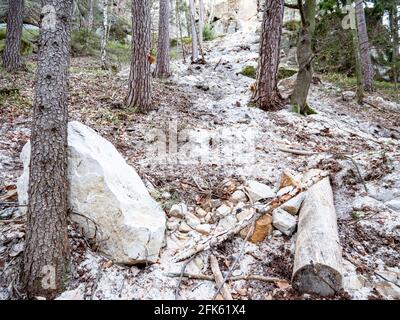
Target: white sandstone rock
{"points": [[284, 221], [293, 205], [258, 191], [107, 191], [238, 196], [178, 210]]}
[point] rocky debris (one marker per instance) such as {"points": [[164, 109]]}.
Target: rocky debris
{"points": [[238, 196], [258, 191], [223, 211], [394, 204], [203, 229], [108, 198], [178, 210], [184, 227], [388, 290], [293, 205], [348, 95], [284, 221], [287, 179]]}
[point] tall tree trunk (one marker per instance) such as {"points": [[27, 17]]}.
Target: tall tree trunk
{"points": [[139, 91], [365, 52], [162, 65], [358, 68], [394, 26], [91, 15], [195, 50], [201, 21], [11, 54], [266, 95], [179, 26], [45, 258], [104, 35], [305, 57]]}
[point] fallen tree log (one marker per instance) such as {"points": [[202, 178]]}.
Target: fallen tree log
{"points": [[216, 239], [318, 258], [219, 279]]}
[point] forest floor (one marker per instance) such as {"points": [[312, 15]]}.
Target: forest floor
{"points": [[222, 140]]}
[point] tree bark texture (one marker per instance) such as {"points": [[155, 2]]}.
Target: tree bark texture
{"points": [[201, 21], [364, 47], [104, 35], [266, 95], [45, 257], [139, 86], [305, 58], [162, 66], [12, 54], [192, 14]]}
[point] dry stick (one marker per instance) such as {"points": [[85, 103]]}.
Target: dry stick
{"points": [[297, 151], [181, 277], [219, 279], [217, 239], [249, 233], [250, 277], [219, 62]]}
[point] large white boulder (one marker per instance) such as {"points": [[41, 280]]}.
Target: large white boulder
{"points": [[110, 199]]}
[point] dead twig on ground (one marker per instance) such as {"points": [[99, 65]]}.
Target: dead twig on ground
{"points": [[219, 279], [177, 289], [250, 277]]}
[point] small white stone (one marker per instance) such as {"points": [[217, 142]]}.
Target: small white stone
{"points": [[178, 210], [285, 190], [208, 217], [284, 221], [238, 196], [223, 211], [243, 214], [173, 223], [203, 229], [201, 212], [277, 233], [293, 205], [184, 227], [394, 204], [258, 191], [192, 220]]}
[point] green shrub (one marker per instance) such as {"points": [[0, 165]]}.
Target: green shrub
{"points": [[249, 71], [28, 41], [208, 33], [186, 41], [84, 42], [118, 51]]}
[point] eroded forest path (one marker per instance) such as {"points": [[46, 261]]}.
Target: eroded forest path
{"points": [[212, 137]]}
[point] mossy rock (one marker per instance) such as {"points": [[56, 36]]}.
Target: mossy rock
{"points": [[284, 73], [249, 71], [29, 38], [308, 111]]}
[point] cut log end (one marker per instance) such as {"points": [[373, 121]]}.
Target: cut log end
{"points": [[317, 278]]}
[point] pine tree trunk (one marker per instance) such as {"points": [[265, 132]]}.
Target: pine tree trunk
{"points": [[266, 95], [104, 35], [201, 21], [139, 86], [365, 53], [45, 257], [195, 49], [11, 54], [162, 65], [394, 26], [305, 58]]}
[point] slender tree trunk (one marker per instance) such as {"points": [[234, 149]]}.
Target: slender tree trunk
{"points": [[179, 26], [365, 52], [201, 21], [266, 95], [91, 15], [195, 50], [358, 68], [305, 57], [211, 13], [104, 35], [394, 24], [45, 258], [162, 65], [139, 91], [12, 54]]}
